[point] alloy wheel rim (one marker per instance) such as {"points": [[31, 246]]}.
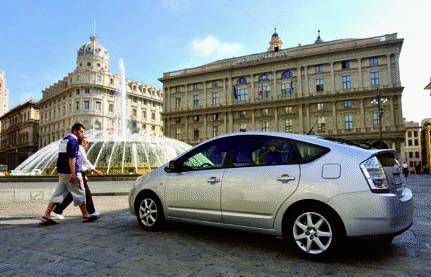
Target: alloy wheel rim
{"points": [[148, 212], [312, 233]]}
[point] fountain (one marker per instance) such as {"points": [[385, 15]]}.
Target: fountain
{"points": [[118, 153]]}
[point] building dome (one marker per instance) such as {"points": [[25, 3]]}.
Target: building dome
{"points": [[275, 43], [92, 55]]}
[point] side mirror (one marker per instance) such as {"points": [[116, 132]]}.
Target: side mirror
{"points": [[172, 167]]}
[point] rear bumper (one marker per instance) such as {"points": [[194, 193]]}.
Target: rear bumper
{"points": [[367, 214]]}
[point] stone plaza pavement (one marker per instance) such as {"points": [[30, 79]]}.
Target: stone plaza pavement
{"points": [[116, 246]]}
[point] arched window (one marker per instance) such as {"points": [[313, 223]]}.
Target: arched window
{"points": [[287, 74], [97, 125], [241, 81]]}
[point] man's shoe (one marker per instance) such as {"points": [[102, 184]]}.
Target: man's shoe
{"points": [[96, 214], [57, 216]]}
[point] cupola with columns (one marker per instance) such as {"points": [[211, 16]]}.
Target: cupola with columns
{"points": [[275, 43], [92, 55]]}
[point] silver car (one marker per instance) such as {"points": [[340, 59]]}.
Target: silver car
{"points": [[312, 191]]}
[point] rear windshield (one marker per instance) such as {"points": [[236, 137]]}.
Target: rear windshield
{"points": [[310, 152]]}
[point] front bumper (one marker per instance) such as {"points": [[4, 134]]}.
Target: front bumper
{"points": [[371, 214]]}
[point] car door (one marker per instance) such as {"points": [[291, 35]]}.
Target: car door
{"points": [[263, 173], [194, 192]]}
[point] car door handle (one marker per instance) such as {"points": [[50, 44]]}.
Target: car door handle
{"points": [[213, 180], [285, 178]]}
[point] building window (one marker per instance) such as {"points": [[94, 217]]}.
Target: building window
{"points": [[287, 88], [347, 104], [98, 78], [321, 124], [288, 110], [77, 108], [416, 142], [215, 98], [345, 64], [348, 121], [263, 78], [178, 132], [215, 116], [215, 84], [416, 154], [144, 113], [376, 119], [242, 81], [215, 131], [374, 76], [87, 91], [98, 106], [242, 95], [86, 105], [243, 127], [111, 107], [288, 125], [77, 91], [242, 114], [319, 84], [112, 81], [320, 106], [265, 111], [415, 133], [318, 68], [195, 101], [374, 61], [347, 82], [134, 112], [195, 86], [196, 118], [409, 142], [153, 115], [153, 128], [265, 126], [196, 134], [177, 102]]}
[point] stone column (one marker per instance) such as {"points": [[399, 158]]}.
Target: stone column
{"points": [[205, 98], [299, 78], [307, 85], [301, 120], [274, 89], [253, 120], [187, 129], [205, 127], [167, 107], [276, 119], [362, 118], [307, 117], [388, 59], [392, 115], [252, 92], [230, 122], [334, 116], [224, 92], [333, 76], [186, 100], [360, 73], [229, 96]]}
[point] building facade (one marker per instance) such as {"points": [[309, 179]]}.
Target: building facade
{"points": [[19, 133], [90, 95], [426, 144], [4, 94], [413, 146], [326, 88]]}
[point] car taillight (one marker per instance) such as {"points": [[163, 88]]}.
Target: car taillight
{"points": [[373, 172]]}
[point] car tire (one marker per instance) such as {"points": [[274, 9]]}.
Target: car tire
{"points": [[314, 232], [149, 212]]}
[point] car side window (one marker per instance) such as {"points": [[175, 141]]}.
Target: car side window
{"points": [[262, 151], [310, 152], [209, 156]]}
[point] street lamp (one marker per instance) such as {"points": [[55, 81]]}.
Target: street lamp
{"points": [[379, 101]]}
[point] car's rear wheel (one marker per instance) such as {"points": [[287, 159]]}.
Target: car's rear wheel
{"points": [[149, 212], [314, 232]]}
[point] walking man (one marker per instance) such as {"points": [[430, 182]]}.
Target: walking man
{"points": [[84, 165], [69, 177]]}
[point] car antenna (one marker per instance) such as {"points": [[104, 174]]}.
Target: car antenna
{"points": [[312, 127]]}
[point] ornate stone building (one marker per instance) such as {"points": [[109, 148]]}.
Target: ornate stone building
{"points": [[326, 87], [413, 145], [426, 143], [4, 94], [90, 95], [19, 133]]}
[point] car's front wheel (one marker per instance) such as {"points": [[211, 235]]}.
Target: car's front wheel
{"points": [[314, 232], [149, 212]]}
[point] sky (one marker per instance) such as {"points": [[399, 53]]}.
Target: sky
{"points": [[39, 39]]}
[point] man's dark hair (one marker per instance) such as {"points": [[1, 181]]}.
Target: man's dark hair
{"points": [[76, 127]]}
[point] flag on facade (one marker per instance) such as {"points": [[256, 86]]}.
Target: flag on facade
{"points": [[260, 92], [235, 93]]}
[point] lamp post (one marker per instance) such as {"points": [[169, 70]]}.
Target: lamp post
{"points": [[379, 101]]}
